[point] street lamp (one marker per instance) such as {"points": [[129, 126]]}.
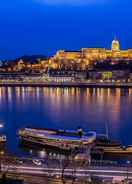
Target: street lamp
{"points": [[1, 126], [128, 163]]}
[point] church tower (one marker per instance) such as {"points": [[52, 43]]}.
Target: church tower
{"points": [[115, 45]]}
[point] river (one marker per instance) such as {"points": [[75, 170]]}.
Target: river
{"points": [[66, 108]]}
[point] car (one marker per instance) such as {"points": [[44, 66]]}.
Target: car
{"points": [[37, 162], [20, 161]]}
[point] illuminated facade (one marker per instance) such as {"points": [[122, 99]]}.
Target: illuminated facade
{"points": [[83, 59], [86, 57], [115, 47]]}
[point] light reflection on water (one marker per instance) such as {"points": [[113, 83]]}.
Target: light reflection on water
{"points": [[66, 108]]}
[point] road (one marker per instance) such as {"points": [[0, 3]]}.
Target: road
{"points": [[54, 169]]}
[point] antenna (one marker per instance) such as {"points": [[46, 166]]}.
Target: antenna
{"points": [[107, 129], [115, 38]]}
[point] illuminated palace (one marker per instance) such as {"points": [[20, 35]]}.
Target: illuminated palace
{"points": [[86, 57]]}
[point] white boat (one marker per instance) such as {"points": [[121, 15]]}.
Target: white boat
{"points": [[63, 139]]}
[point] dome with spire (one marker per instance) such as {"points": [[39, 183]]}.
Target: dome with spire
{"points": [[115, 45]]}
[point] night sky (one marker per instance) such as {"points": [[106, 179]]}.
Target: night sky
{"points": [[44, 26]]}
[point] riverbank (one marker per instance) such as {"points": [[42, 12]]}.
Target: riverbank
{"points": [[68, 84], [55, 171]]}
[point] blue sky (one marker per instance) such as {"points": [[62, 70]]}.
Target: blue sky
{"points": [[44, 26]]}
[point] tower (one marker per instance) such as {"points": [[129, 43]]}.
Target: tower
{"points": [[115, 46]]}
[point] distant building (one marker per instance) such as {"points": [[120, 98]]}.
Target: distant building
{"points": [[109, 75], [86, 57], [83, 60]]}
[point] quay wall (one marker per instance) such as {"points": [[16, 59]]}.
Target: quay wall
{"points": [[68, 84]]}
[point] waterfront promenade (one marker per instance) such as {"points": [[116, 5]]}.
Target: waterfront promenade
{"points": [[26, 170], [69, 84]]}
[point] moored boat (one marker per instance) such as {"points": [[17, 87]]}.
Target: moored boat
{"points": [[63, 139], [119, 151]]}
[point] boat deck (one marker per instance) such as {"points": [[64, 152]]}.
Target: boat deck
{"points": [[65, 136]]}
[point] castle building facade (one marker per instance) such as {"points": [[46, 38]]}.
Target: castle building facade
{"points": [[86, 57]]}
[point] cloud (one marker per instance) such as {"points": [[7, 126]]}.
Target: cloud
{"points": [[71, 2]]}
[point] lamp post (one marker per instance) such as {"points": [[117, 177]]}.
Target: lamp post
{"points": [[1, 127], [128, 163]]}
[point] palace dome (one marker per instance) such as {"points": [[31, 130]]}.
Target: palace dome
{"points": [[115, 45]]}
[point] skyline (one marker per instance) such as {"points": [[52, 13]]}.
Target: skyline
{"points": [[43, 27]]}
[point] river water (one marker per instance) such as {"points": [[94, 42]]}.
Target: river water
{"points": [[66, 108]]}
